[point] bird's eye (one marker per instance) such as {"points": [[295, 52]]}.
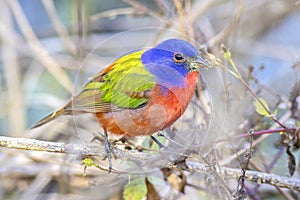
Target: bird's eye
{"points": [[179, 58]]}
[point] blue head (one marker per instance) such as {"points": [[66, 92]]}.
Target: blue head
{"points": [[171, 60]]}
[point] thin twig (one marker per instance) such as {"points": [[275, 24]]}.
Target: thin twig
{"points": [[144, 9], [240, 192], [15, 105], [58, 26], [181, 16], [261, 132], [257, 141], [199, 8], [114, 12], [217, 39]]}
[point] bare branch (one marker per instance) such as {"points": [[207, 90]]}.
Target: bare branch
{"points": [[253, 176], [55, 147], [114, 13], [217, 39], [144, 9]]}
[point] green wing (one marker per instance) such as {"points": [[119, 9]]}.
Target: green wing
{"points": [[124, 84]]}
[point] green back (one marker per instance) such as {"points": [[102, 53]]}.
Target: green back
{"points": [[113, 88]]}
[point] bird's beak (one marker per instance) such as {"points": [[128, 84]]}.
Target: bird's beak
{"points": [[199, 63]]}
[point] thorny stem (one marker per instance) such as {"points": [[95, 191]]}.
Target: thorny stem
{"points": [[240, 193]]}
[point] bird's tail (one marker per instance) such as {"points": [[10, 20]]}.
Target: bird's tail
{"points": [[50, 117]]}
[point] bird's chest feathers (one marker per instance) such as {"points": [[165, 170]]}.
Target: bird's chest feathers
{"points": [[173, 100]]}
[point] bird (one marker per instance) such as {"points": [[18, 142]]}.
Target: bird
{"points": [[140, 93]]}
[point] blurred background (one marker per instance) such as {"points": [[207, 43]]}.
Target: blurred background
{"points": [[48, 49]]}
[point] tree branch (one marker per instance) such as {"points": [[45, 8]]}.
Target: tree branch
{"points": [[56, 147], [253, 176]]}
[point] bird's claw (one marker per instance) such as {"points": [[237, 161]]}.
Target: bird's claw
{"points": [[109, 150]]}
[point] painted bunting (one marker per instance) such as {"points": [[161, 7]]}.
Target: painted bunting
{"points": [[140, 93]]}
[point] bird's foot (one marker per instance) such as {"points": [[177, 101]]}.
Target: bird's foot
{"points": [[109, 150], [96, 137]]}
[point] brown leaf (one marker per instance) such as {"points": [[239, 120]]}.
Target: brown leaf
{"points": [[166, 172], [294, 98], [297, 144], [151, 192], [292, 161], [176, 178], [291, 138]]}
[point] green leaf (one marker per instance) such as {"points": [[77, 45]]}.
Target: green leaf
{"points": [[156, 180], [87, 162], [227, 55], [261, 106], [146, 142], [155, 146], [136, 189], [275, 112], [226, 52]]}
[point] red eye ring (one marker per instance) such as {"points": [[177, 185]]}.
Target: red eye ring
{"points": [[178, 57]]}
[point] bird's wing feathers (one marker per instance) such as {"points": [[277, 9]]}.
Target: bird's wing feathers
{"points": [[124, 84]]}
